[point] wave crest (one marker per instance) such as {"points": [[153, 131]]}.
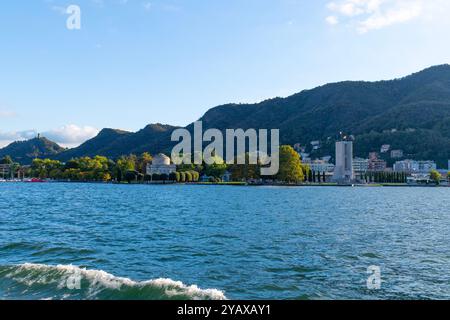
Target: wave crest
{"points": [[39, 281]]}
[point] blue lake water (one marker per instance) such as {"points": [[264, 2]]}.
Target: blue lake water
{"points": [[95, 241]]}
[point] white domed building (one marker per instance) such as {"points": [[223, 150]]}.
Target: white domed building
{"points": [[161, 165]]}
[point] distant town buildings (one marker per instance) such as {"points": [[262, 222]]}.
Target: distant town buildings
{"points": [[348, 169], [397, 154], [376, 164], [343, 172], [5, 170], [373, 155], [161, 165], [406, 166], [360, 165], [414, 166], [320, 165], [315, 145], [385, 148], [305, 156], [418, 179]]}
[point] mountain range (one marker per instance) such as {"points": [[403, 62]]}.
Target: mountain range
{"points": [[410, 113]]}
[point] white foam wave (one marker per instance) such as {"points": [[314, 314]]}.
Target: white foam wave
{"points": [[98, 280]]}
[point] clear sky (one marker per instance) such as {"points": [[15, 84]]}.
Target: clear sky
{"points": [[135, 62]]}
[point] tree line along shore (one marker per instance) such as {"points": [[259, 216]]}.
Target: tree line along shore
{"points": [[133, 169]]}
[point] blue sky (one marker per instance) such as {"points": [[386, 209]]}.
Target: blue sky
{"points": [[137, 62]]}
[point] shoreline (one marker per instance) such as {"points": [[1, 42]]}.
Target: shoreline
{"points": [[242, 184]]}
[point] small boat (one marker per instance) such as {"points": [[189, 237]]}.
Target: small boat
{"points": [[34, 180]]}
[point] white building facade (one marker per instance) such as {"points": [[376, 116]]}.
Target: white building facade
{"points": [[360, 165], [320, 165], [414, 166], [161, 165]]}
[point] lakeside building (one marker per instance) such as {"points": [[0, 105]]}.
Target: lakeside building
{"points": [[427, 166], [373, 155], [5, 170], [161, 165], [385, 148], [343, 171], [376, 164], [315, 145], [406, 166], [326, 158], [418, 179], [305, 156], [396, 154], [320, 165], [360, 165], [414, 166]]}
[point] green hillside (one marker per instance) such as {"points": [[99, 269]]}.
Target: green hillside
{"points": [[411, 113], [25, 151]]}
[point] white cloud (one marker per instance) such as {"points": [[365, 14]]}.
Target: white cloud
{"points": [[59, 9], [147, 6], [8, 137], [390, 17], [67, 136], [332, 20], [7, 114], [71, 135], [367, 15]]}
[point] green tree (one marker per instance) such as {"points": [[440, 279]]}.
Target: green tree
{"points": [[435, 176], [217, 169], [125, 164], [142, 162], [195, 176], [310, 174], [131, 175], [240, 172], [106, 177], [290, 165], [6, 160]]}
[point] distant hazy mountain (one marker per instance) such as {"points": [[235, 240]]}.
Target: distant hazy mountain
{"points": [[411, 113], [25, 151]]}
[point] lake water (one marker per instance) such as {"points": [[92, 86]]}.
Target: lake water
{"points": [[95, 241]]}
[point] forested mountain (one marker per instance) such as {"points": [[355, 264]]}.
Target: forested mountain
{"points": [[114, 143], [24, 151], [411, 113]]}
